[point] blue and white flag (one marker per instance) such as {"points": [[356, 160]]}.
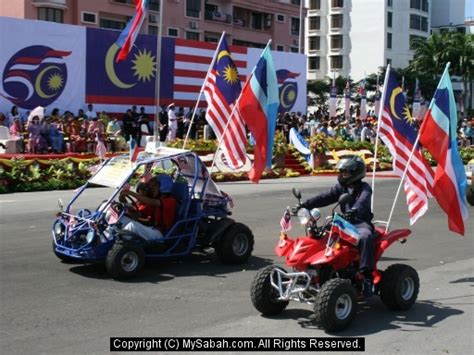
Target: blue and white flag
{"points": [[345, 230]]}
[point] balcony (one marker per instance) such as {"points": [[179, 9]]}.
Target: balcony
{"points": [[58, 4], [218, 17], [245, 18]]}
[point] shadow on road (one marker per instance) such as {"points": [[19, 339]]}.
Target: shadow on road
{"points": [[196, 264], [373, 317]]}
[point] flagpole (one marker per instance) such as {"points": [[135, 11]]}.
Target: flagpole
{"points": [[202, 89], [235, 107], [401, 181], [158, 77], [382, 101]]}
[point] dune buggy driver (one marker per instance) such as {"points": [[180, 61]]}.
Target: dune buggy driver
{"points": [[156, 208], [357, 211]]}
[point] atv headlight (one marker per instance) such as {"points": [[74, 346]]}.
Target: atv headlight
{"points": [[58, 228], [303, 216], [90, 236], [315, 213]]}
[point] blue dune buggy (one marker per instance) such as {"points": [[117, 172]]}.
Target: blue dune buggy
{"points": [[202, 217]]}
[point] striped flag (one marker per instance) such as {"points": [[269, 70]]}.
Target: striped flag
{"points": [[285, 221], [191, 63], [438, 134], [397, 131], [130, 32], [133, 150], [345, 230], [222, 88]]}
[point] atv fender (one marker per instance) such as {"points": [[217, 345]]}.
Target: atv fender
{"points": [[389, 239], [337, 258], [218, 228]]}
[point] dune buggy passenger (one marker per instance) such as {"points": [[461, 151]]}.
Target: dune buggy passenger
{"points": [[358, 211], [156, 208]]}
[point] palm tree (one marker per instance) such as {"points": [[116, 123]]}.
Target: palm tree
{"points": [[430, 54]]}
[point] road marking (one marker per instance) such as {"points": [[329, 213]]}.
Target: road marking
{"points": [[7, 201]]}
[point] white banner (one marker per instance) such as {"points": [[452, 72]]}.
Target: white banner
{"points": [[42, 64], [363, 108]]}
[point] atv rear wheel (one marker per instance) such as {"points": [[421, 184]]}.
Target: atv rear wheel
{"points": [[124, 260], [335, 305], [399, 287], [264, 296], [235, 244]]}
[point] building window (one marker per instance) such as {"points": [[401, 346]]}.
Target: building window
{"points": [[315, 4], [153, 30], [295, 26], [256, 21], [280, 48], [296, 2], [424, 5], [112, 24], [154, 5], [336, 42], [419, 23], [193, 8], [337, 3], [413, 39], [390, 3], [461, 30], [313, 63], [415, 4], [389, 40], [337, 21], [51, 15], [336, 62], [238, 42], [280, 18], [314, 23], [314, 43], [192, 35], [389, 19], [173, 32], [294, 50], [211, 37], [389, 61], [89, 17]]}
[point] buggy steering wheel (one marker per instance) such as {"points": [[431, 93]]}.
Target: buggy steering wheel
{"points": [[131, 201]]}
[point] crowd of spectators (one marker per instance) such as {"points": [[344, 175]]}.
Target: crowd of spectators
{"points": [[79, 133]]}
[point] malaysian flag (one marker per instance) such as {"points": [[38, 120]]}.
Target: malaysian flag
{"points": [[190, 61], [222, 88], [285, 221], [397, 131]]}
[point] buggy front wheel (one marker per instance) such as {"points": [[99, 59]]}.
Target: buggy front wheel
{"points": [[125, 260]]}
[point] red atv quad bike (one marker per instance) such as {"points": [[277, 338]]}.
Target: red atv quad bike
{"points": [[325, 266]]}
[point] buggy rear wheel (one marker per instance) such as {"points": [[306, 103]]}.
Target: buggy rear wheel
{"points": [[125, 260], [264, 296], [235, 245]]}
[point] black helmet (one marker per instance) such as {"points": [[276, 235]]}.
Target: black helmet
{"points": [[351, 169]]}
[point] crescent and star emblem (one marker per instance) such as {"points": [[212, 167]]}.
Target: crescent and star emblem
{"points": [[397, 91], [110, 69], [38, 89]]}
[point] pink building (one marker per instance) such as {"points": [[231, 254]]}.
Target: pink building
{"points": [[247, 23]]}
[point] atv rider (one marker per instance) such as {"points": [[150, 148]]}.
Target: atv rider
{"points": [[357, 211]]}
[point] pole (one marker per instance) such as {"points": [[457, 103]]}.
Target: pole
{"points": [[235, 107], [158, 77], [301, 26], [202, 90], [401, 182], [382, 100]]}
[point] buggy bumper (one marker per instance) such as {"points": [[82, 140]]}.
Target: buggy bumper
{"points": [[290, 285]]}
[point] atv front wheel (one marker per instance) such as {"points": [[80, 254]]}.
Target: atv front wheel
{"points": [[335, 305], [264, 296], [124, 260], [399, 287], [235, 244]]}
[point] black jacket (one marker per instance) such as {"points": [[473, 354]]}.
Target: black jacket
{"points": [[361, 203]]}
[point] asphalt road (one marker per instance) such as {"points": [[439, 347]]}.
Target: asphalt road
{"points": [[47, 306]]}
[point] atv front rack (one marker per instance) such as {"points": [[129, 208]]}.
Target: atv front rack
{"points": [[291, 285]]}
